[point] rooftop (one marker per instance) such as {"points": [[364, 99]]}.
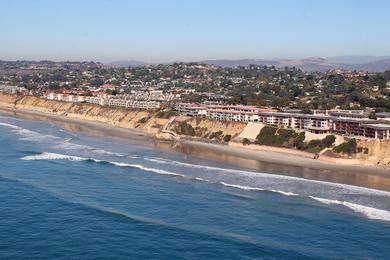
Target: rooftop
{"points": [[377, 126]]}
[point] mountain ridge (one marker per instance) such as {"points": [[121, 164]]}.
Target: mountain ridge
{"points": [[363, 63]]}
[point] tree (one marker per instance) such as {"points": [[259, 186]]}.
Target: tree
{"points": [[266, 135], [328, 141], [298, 141], [96, 82], [347, 147]]}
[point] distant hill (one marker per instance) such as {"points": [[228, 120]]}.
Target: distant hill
{"points": [[243, 62], [357, 59], [366, 63], [128, 63], [376, 66]]}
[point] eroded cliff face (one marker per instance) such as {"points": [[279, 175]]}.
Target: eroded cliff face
{"points": [[378, 151], [120, 117], [207, 129], [7, 101]]}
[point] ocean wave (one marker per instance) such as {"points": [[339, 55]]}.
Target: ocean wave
{"points": [[56, 156], [285, 193], [200, 179], [9, 125], [67, 145], [141, 167], [372, 213], [240, 186], [268, 175], [102, 151], [52, 156], [28, 135]]}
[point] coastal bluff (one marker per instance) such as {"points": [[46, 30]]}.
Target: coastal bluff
{"points": [[146, 120], [200, 129]]}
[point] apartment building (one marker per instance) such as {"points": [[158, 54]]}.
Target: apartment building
{"points": [[233, 113], [318, 124], [376, 131], [351, 123], [383, 116], [276, 119], [144, 104]]}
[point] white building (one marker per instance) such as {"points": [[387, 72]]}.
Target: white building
{"points": [[383, 116]]}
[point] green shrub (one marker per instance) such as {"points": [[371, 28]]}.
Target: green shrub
{"points": [[185, 129], [282, 137], [166, 114], [143, 120], [246, 141], [227, 138], [266, 135], [215, 134], [347, 147], [314, 143], [286, 133], [298, 140], [328, 141], [315, 146]]}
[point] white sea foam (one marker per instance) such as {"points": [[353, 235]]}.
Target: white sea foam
{"points": [[28, 135], [10, 126], [66, 145], [52, 156], [201, 179], [242, 187], [141, 167], [286, 193], [269, 176], [56, 156], [372, 213], [102, 151]]}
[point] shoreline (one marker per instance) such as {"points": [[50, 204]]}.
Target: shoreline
{"points": [[265, 161]]}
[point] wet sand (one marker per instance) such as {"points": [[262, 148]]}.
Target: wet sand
{"points": [[262, 161]]}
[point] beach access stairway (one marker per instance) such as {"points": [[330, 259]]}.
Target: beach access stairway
{"points": [[165, 128]]}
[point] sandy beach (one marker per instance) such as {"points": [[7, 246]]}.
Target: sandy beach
{"points": [[265, 161]]}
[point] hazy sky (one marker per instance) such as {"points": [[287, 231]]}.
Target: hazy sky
{"points": [[171, 30]]}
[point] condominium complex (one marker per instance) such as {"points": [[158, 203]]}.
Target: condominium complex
{"points": [[351, 123], [105, 100]]}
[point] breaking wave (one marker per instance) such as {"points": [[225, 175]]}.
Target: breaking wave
{"points": [[28, 135], [267, 175], [372, 213], [59, 143], [56, 156], [52, 156], [67, 145], [258, 189], [9, 125]]}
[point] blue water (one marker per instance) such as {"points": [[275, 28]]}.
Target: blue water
{"points": [[66, 195]]}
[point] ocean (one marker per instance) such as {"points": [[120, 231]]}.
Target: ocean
{"points": [[69, 195]]}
